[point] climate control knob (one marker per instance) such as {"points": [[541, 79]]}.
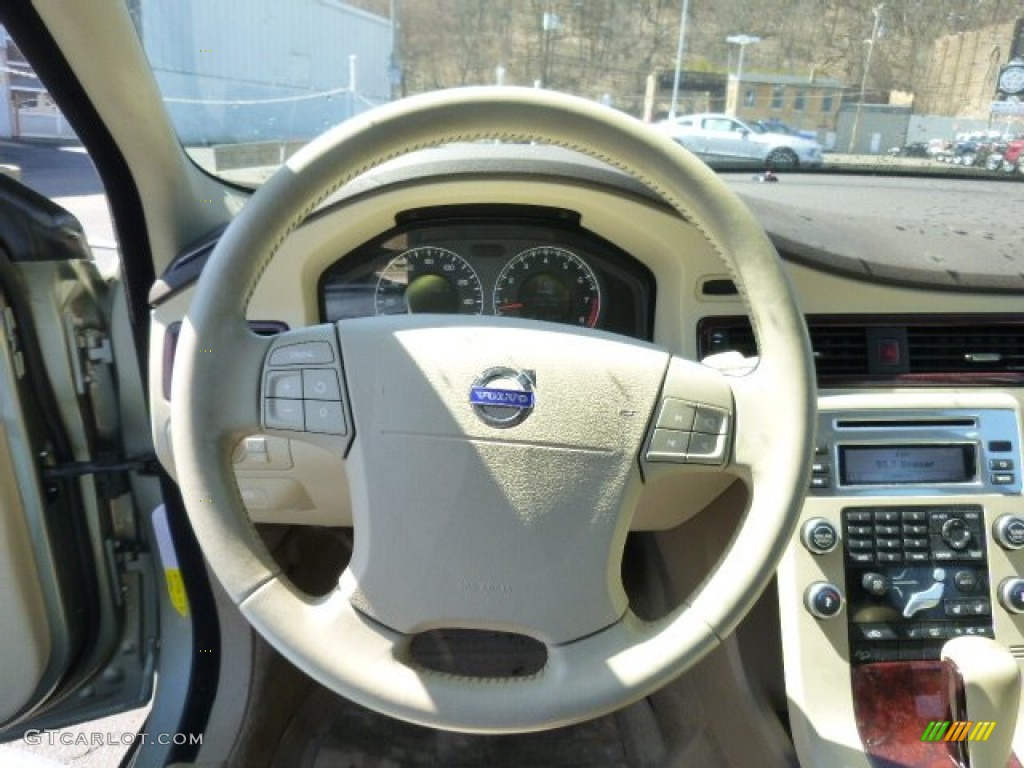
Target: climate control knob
{"points": [[823, 600]]}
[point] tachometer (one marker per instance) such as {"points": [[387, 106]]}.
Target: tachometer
{"points": [[428, 280], [549, 283]]}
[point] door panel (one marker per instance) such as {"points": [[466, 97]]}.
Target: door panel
{"points": [[77, 595]]}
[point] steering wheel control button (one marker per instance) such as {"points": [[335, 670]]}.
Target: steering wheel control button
{"points": [[286, 384], [823, 600], [1008, 530], [710, 421], [668, 445], [284, 413], [320, 384], [676, 414], [819, 536], [1011, 594], [325, 416], [705, 448], [304, 353]]}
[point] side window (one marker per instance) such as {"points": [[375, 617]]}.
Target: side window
{"points": [[719, 124], [800, 101], [778, 95], [750, 98], [39, 149], [826, 102]]}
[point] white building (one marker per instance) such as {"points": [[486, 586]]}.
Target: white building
{"points": [[242, 85], [278, 73]]}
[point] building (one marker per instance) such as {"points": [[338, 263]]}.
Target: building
{"points": [[237, 87], [244, 93], [26, 109], [806, 104]]}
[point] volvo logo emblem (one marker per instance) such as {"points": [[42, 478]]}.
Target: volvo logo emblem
{"points": [[503, 397]]}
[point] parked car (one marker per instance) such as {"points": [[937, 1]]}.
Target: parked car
{"points": [[916, 149], [722, 139]]}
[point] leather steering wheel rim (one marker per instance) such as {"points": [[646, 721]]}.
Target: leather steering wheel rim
{"points": [[216, 396]]}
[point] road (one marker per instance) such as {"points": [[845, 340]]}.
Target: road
{"points": [[65, 174]]}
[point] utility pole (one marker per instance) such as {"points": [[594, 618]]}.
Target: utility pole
{"points": [[864, 78], [684, 15]]}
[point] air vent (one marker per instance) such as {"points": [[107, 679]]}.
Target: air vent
{"points": [[914, 351], [978, 349], [838, 350]]}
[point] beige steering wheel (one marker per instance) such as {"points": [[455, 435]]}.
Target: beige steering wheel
{"points": [[461, 521]]}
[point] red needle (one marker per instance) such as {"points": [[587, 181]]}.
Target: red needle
{"points": [[513, 305]]}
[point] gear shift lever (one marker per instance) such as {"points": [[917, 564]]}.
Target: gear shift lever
{"points": [[991, 693]]}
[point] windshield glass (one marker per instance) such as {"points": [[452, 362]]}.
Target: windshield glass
{"points": [[820, 83]]}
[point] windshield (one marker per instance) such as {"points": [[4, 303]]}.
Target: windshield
{"points": [[816, 83]]}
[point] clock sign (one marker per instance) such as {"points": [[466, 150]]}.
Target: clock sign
{"points": [[1011, 79]]}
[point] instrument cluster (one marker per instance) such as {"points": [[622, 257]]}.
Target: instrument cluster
{"points": [[538, 264]]}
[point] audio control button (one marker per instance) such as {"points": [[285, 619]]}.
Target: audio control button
{"points": [[956, 534], [1009, 531], [819, 536]]}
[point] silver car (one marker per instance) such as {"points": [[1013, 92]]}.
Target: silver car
{"points": [[721, 138]]}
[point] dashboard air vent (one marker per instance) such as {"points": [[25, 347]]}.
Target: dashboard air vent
{"points": [[978, 349], [912, 350]]}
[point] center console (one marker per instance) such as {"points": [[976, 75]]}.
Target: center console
{"points": [[909, 539]]}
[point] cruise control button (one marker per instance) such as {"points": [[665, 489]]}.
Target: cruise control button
{"points": [[306, 353], [320, 384], [284, 414], [668, 445], [325, 416], [676, 414], [286, 384]]}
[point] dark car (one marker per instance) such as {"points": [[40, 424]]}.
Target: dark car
{"points": [[916, 149]]}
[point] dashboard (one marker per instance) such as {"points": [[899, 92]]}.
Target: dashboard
{"points": [[916, 323], [514, 261]]}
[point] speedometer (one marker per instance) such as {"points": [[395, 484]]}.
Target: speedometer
{"points": [[549, 283], [428, 280]]}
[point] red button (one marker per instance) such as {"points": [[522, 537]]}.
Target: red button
{"points": [[889, 352]]}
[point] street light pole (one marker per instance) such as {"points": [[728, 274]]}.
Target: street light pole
{"points": [[684, 15], [742, 41], [877, 10]]}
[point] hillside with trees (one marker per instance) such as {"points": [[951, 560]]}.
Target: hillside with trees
{"points": [[597, 47]]}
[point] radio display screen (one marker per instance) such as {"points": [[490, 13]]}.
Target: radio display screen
{"points": [[906, 464]]}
